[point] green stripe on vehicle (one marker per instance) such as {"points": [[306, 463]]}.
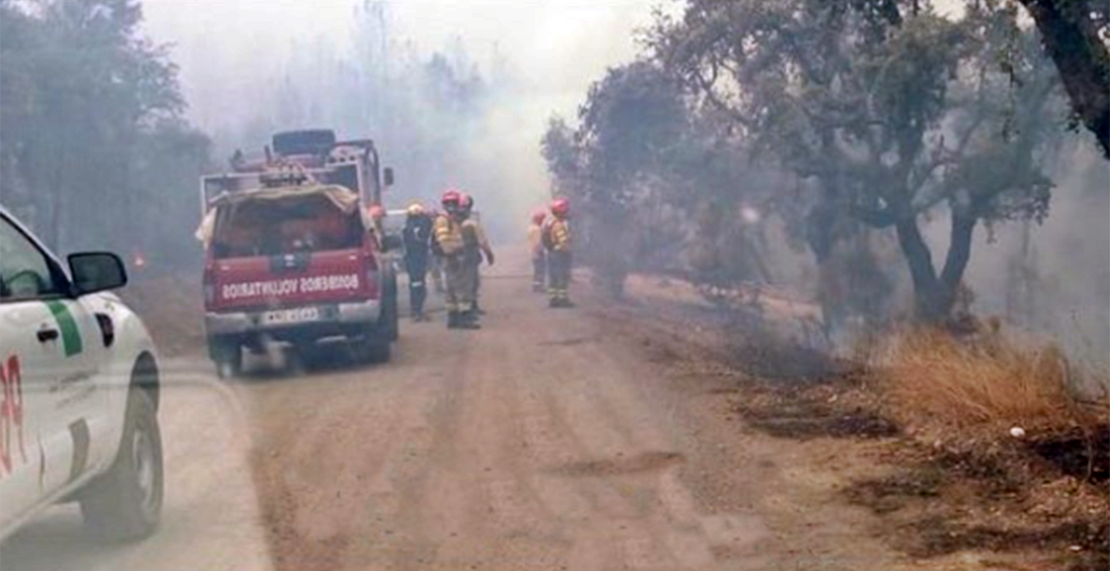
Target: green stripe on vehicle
{"points": [[71, 337]]}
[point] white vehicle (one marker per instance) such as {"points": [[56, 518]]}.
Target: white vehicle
{"points": [[79, 400]]}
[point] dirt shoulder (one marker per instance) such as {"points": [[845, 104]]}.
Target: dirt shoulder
{"points": [[948, 500]]}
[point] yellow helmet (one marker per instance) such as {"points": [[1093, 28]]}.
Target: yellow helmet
{"points": [[415, 209]]}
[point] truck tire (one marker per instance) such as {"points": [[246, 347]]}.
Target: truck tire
{"points": [[372, 349], [227, 355], [230, 368], [392, 315], [380, 352], [126, 502]]}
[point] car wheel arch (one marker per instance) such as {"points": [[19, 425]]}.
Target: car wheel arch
{"points": [[145, 376]]}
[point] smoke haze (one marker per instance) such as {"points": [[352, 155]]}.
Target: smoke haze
{"points": [[238, 60], [458, 93]]}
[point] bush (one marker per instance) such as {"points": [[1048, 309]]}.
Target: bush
{"points": [[982, 379]]}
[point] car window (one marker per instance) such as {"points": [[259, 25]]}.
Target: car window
{"points": [[24, 269], [267, 228]]}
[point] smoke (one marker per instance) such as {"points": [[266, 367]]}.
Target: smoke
{"points": [[1054, 279], [458, 93], [455, 93]]}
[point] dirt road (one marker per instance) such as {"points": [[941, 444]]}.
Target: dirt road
{"points": [[544, 441], [547, 440]]}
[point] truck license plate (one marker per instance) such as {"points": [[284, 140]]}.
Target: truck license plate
{"points": [[286, 316]]}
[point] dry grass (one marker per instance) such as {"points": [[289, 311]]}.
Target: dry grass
{"points": [[984, 380]]}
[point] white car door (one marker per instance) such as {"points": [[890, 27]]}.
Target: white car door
{"points": [[48, 388]]}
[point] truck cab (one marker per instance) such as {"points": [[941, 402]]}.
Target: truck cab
{"points": [[291, 255]]}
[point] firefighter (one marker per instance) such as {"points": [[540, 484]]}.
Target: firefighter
{"points": [[417, 237], [475, 245], [539, 254], [556, 240], [447, 243]]}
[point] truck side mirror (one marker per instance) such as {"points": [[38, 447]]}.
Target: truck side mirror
{"points": [[96, 271], [389, 176]]}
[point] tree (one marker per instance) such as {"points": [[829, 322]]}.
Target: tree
{"points": [[84, 94], [618, 164], [660, 184], [1075, 34], [561, 154], [891, 121]]}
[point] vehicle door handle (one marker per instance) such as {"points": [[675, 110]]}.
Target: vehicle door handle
{"points": [[47, 334]]}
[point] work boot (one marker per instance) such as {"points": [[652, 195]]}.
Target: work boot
{"points": [[452, 320], [469, 320], [561, 303]]}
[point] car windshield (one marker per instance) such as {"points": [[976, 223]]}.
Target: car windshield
{"points": [[564, 285]]}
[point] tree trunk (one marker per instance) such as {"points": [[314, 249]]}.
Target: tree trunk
{"points": [[928, 303], [935, 295], [1082, 59], [959, 254]]}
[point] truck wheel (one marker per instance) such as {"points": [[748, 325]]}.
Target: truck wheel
{"points": [[371, 348], [297, 358], [394, 323], [227, 355], [231, 366], [126, 502], [380, 352], [391, 315]]}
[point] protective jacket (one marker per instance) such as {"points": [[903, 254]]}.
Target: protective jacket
{"points": [[556, 236], [474, 241], [417, 237], [447, 236], [535, 240]]}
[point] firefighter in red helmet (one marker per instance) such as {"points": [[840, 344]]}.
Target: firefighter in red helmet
{"points": [[475, 246], [447, 242], [557, 243]]}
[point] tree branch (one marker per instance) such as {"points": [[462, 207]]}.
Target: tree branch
{"points": [[706, 87]]}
